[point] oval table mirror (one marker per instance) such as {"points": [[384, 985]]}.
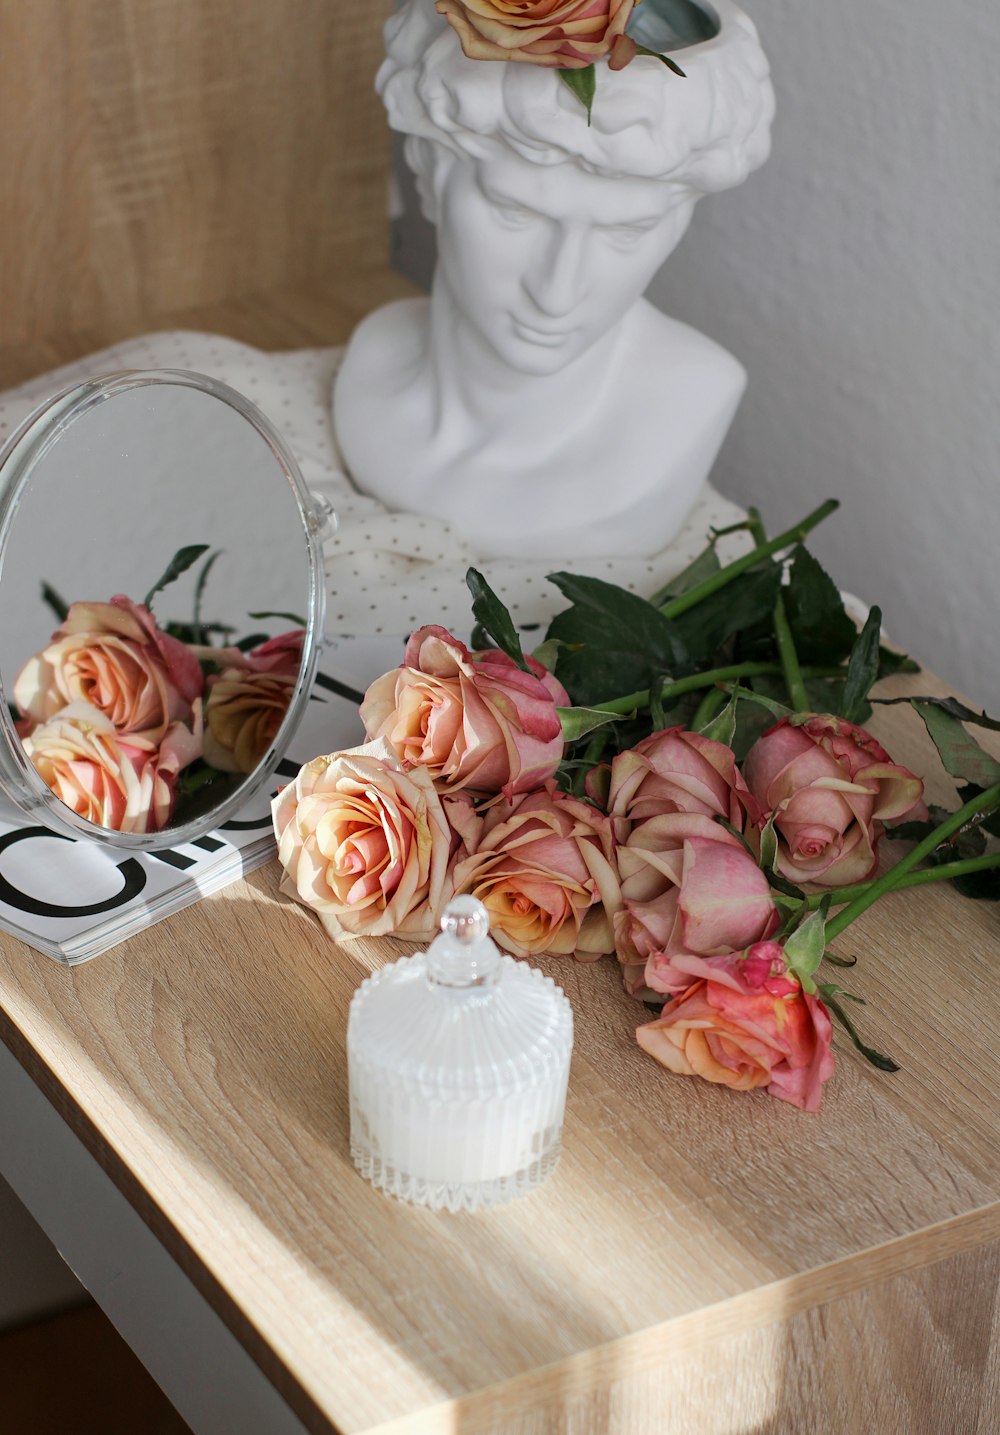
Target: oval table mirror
{"points": [[161, 606]]}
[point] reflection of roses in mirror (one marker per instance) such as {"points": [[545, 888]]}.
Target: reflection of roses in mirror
{"points": [[247, 702], [364, 844], [566, 36], [474, 720], [122, 781], [831, 787], [114, 657], [744, 1021]]}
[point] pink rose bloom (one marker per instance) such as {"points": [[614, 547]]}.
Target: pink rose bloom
{"points": [[563, 34], [678, 771], [746, 1022], [122, 781], [543, 866], [831, 786], [689, 888], [365, 844], [472, 720], [114, 657]]}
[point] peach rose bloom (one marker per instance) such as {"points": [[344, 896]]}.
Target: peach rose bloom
{"points": [[678, 771], [746, 1023], [831, 787], [122, 781], [242, 716], [561, 34], [114, 657], [364, 844], [474, 720], [688, 887], [543, 867]]}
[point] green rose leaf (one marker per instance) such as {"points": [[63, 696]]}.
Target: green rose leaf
{"points": [[862, 669], [830, 996], [804, 949], [578, 722], [960, 753], [821, 630], [182, 560], [58, 604], [583, 83], [666, 60], [723, 727], [706, 565], [493, 616], [613, 641], [739, 605]]}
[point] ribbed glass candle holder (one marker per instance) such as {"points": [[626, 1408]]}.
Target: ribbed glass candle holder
{"points": [[458, 1060]]}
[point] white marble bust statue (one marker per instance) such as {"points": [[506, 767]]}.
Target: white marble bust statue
{"points": [[536, 401]]}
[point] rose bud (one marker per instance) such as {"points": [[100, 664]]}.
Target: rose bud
{"points": [[831, 787], [566, 35]]}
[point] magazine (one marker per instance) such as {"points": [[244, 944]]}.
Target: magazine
{"points": [[72, 899]]}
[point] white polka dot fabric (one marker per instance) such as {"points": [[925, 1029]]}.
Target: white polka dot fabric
{"points": [[386, 572]]}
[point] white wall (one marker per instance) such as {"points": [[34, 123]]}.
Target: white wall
{"points": [[857, 276]]}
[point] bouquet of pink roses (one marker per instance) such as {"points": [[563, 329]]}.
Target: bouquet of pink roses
{"points": [[699, 830]]}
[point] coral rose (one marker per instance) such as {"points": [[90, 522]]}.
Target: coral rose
{"points": [[242, 716], [746, 1022], [688, 887], [831, 787], [543, 866], [562, 34], [365, 844], [472, 720], [678, 771], [114, 657], [122, 781]]}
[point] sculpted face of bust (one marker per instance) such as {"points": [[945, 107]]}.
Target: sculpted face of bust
{"points": [[542, 261], [536, 402]]}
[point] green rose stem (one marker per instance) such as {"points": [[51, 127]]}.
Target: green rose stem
{"points": [[797, 695], [708, 679], [592, 755], [943, 873], [713, 701], [680, 605], [985, 802]]}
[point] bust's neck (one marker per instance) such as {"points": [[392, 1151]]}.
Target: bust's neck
{"points": [[470, 383]]}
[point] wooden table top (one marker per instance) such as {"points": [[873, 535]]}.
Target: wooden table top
{"points": [[203, 1064]]}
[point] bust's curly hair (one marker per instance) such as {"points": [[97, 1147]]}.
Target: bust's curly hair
{"points": [[706, 132]]}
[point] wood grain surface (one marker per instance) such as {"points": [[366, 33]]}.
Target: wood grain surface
{"points": [[203, 1063], [160, 154]]}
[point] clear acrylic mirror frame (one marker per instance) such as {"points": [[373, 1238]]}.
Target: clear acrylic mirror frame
{"points": [[20, 459]]}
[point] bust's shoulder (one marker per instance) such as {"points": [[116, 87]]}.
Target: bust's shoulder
{"points": [[663, 344], [669, 355], [389, 336]]}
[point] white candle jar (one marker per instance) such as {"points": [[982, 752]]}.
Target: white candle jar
{"points": [[458, 1061]]}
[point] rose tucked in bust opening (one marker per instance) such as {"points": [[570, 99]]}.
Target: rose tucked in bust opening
{"points": [[566, 36], [536, 379]]}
